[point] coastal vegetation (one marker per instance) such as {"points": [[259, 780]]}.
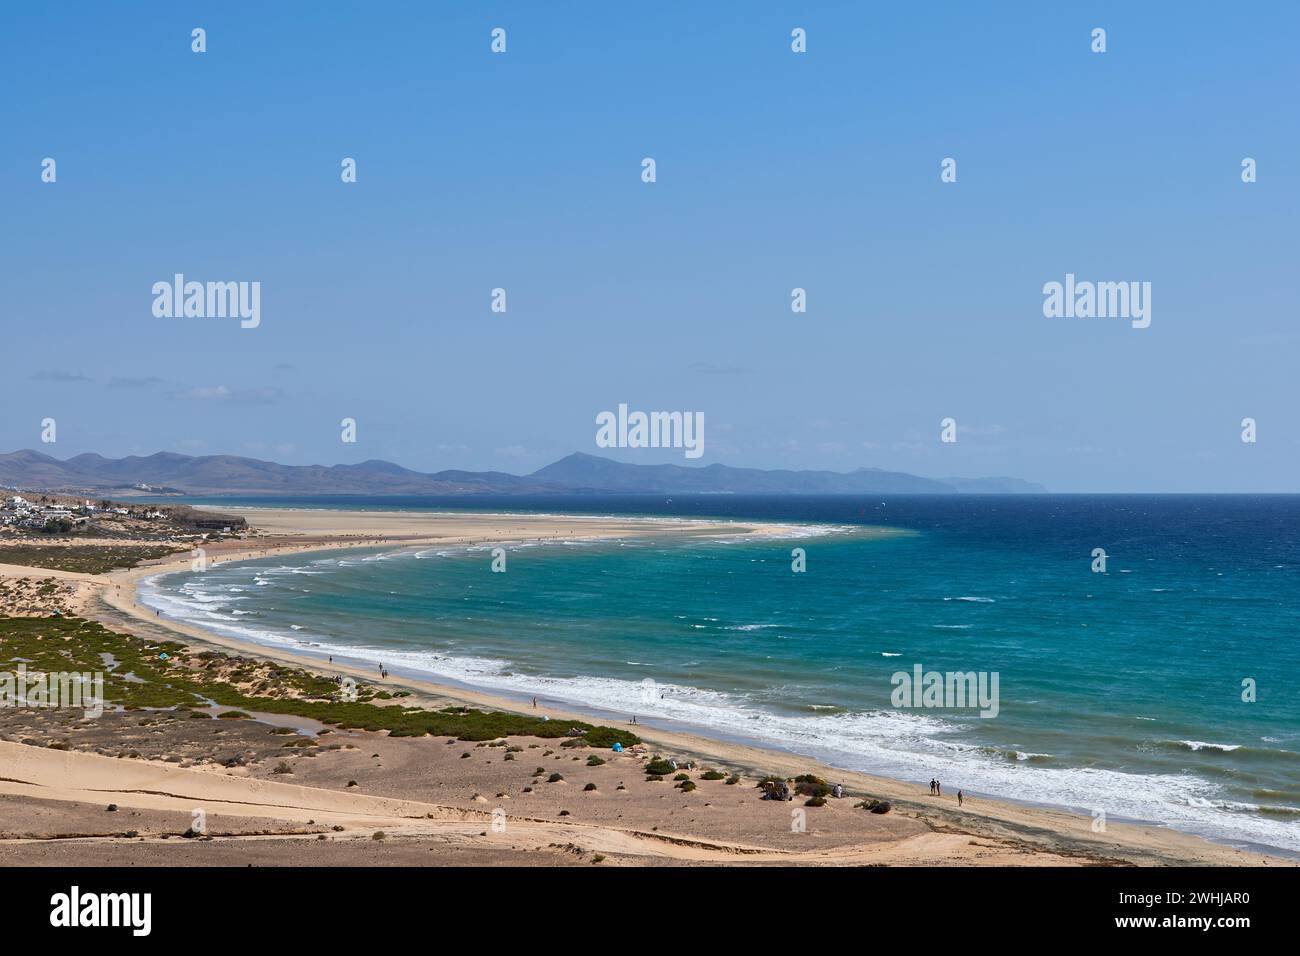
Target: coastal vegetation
{"points": [[83, 559], [165, 674]]}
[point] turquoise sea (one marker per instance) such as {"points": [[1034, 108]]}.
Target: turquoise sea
{"points": [[1119, 692]]}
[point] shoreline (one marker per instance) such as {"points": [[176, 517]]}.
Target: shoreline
{"points": [[1051, 832], [695, 741]]}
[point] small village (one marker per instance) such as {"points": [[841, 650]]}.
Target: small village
{"points": [[46, 514], [50, 516]]}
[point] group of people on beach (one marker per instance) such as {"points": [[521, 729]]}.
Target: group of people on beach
{"points": [[383, 674], [936, 790]]}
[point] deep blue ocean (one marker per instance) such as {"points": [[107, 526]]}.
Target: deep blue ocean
{"points": [[1119, 692]]}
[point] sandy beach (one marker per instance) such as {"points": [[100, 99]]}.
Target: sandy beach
{"points": [[355, 797]]}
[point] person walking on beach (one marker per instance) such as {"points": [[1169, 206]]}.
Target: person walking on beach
{"points": [[534, 703], [959, 798], [932, 785], [938, 789]]}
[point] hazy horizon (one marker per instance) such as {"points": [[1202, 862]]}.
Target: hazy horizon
{"points": [[627, 459]]}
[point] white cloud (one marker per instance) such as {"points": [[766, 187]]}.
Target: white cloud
{"points": [[222, 393]]}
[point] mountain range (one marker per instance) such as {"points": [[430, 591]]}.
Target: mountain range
{"points": [[211, 475]]}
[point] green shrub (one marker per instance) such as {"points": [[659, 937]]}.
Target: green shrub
{"points": [[604, 738], [874, 806]]}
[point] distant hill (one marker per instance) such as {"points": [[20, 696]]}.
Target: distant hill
{"points": [[589, 473], [576, 474]]}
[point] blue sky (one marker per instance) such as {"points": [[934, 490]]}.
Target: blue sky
{"points": [[775, 170]]}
